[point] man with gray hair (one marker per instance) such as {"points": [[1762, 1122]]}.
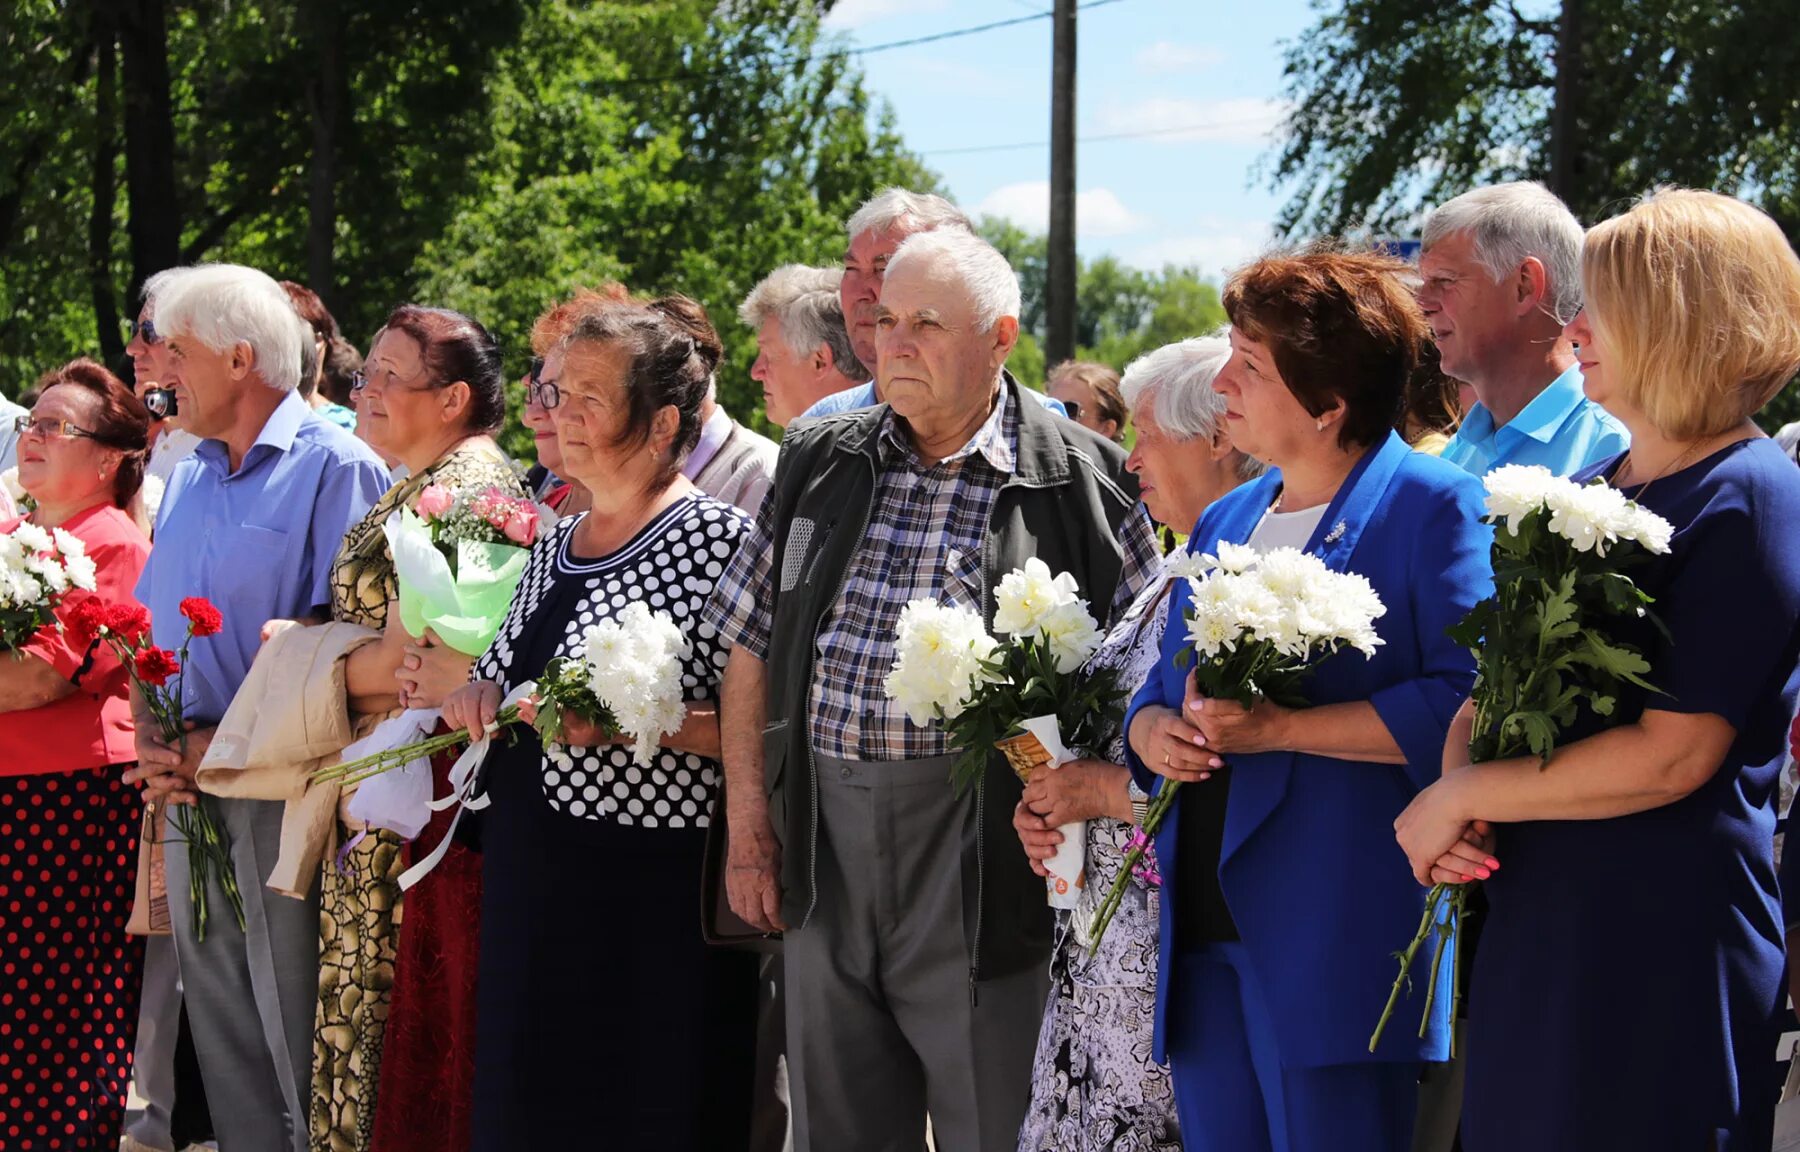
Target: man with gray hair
{"points": [[917, 936], [1502, 274], [803, 351], [876, 230], [252, 521]]}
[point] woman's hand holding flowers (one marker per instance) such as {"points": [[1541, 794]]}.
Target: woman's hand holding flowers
{"points": [[1170, 746]]}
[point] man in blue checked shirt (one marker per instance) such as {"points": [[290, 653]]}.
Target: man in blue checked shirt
{"points": [[252, 521], [1502, 275]]}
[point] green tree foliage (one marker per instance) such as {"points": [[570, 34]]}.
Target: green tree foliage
{"points": [[484, 154], [1399, 104], [1121, 311], [674, 148]]}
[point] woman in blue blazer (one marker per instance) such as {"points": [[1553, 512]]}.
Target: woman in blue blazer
{"points": [[1284, 893]]}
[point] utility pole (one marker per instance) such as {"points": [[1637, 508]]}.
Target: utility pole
{"points": [[1059, 303]]}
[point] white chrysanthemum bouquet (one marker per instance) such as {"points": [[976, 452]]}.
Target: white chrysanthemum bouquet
{"points": [[1023, 695], [626, 681], [38, 567], [1256, 626], [1543, 656]]}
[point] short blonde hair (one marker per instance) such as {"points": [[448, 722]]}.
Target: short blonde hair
{"points": [[1697, 297]]}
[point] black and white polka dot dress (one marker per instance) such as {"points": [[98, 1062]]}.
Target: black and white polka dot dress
{"points": [[596, 996], [670, 566]]}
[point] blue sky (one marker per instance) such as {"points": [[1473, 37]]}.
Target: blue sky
{"points": [[1205, 77]]}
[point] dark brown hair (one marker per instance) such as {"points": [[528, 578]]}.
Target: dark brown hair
{"points": [[1341, 326], [1433, 400], [1103, 382], [668, 367], [455, 347], [122, 421]]}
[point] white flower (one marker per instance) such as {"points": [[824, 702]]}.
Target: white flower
{"points": [[9, 481], [1025, 596], [1071, 634], [1231, 558], [1647, 528], [1515, 491], [32, 538], [939, 649], [1287, 599], [634, 665]]}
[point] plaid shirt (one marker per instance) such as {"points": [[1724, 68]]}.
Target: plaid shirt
{"points": [[927, 527]]}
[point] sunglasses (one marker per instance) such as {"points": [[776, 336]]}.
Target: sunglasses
{"points": [[1073, 408], [141, 329]]}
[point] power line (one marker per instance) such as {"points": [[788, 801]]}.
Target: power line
{"points": [[1209, 126], [868, 50]]}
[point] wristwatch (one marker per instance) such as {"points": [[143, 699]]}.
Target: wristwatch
{"points": [[1140, 802]]}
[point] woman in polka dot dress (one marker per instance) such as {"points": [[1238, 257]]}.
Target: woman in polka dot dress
{"points": [[68, 823], [599, 1008]]}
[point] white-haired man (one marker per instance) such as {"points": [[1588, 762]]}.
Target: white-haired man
{"points": [[915, 943], [1502, 274], [252, 521], [803, 351], [877, 229]]}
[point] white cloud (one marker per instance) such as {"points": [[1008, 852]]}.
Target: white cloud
{"points": [[1167, 56], [1215, 245], [1236, 120], [849, 14], [1098, 211]]}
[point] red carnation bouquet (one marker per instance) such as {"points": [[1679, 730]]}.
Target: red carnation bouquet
{"points": [[126, 629]]}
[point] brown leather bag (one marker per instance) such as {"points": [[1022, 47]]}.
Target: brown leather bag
{"points": [[719, 925]]}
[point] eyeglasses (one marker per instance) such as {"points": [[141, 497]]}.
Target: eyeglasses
{"points": [[359, 380], [49, 428], [144, 330], [1072, 408], [544, 393]]}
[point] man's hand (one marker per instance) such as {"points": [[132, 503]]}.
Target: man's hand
{"points": [[753, 867], [167, 775]]}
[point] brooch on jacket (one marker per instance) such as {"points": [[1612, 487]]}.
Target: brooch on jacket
{"points": [[1336, 533]]}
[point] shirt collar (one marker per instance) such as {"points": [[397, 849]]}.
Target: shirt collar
{"points": [[993, 440], [278, 433], [713, 434], [1544, 416]]}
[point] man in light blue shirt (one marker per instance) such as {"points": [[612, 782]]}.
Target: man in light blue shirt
{"points": [[1502, 274], [876, 231], [1501, 271], [252, 521]]}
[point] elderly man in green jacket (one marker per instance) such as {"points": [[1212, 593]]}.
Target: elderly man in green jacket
{"points": [[917, 935]]}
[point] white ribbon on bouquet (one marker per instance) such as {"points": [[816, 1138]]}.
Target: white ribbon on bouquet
{"points": [[463, 780]]}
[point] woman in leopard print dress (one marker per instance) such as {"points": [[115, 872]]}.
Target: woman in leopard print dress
{"points": [[430, 395]]}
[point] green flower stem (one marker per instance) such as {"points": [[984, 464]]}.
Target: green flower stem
{"points": [[1153, 818], [353, 772], [1426, 923]]}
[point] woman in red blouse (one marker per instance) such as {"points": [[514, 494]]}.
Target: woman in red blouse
{"points": [[68, 824]]}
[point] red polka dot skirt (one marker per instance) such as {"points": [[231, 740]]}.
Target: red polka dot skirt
{"points": [[68, 972]]}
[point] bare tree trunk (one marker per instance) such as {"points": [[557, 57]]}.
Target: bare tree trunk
{"points": [[105, 182], [1565, 115], [328, 97], [155, 222]]}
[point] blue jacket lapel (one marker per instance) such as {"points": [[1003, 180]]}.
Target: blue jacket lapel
{"points": [[1257, 792]]}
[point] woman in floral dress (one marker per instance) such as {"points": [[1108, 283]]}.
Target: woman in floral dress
{"points": [[1095, 1083]]}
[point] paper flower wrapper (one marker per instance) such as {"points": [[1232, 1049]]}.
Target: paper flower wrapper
{"points": [[1040, 749], [466, 607]]}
